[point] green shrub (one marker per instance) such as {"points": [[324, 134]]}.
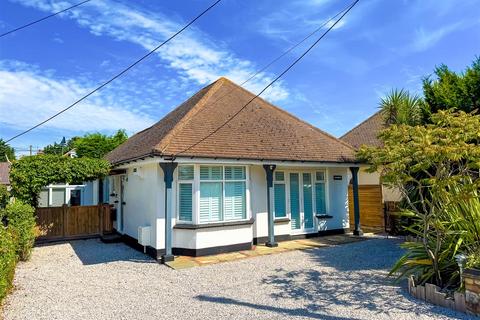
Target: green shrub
{"points": [[8, 260], [4, 196], [21, 220]]}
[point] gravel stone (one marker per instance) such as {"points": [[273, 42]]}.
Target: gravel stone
{"points": [[88, 279]]}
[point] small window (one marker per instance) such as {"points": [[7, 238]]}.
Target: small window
{"points": [[58, 197], [279, 195], [279, 176], [279, 208], [320, 176], [234, 173], [211, 173], [75, 197], [185, 201], [185, 172]]}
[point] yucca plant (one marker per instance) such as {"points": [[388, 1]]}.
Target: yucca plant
{"points": [[453, 227]]}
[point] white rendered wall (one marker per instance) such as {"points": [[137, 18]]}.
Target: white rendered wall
{"points": [[142, 198]]}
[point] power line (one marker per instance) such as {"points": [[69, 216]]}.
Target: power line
{"points": [[274, 80], [118, 74], [42, 19]]}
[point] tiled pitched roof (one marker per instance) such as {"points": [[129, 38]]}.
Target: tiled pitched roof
{"points": [[366, 133], [4, 173], [261, 131]]}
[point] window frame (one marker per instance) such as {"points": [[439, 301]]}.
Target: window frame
{"points": [[325, 188], [196, 192], [186, 181], [284, 183]]}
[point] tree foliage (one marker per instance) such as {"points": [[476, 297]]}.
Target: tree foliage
{"points": [[30, 174], [401, 107], [4, 196], [441, 161], [97, 145], [59, 148], [450, 90], [6, 152], [92, 145], [444, 90]]}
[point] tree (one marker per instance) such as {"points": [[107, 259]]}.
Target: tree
{"points": [[441, 161], [97, 145], [401, 107], [450, 90], [30, 174], [444, 90], [6, 152], [60, 148]]}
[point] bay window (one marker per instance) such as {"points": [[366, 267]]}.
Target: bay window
{"points": [[221, 193]]}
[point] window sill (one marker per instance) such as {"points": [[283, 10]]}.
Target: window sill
{"points": [[192, 226], [323, 216], [281, 220]]}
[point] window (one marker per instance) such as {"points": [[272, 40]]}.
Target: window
{"points": [[58, 197], [221, 189], [75, 197], [320, 201], [185, 192], [279, 203]]}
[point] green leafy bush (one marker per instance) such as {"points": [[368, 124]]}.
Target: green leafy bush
{"points": [[21, 221], [8, 260], [4, 196], [30, 174], [452, 228]]}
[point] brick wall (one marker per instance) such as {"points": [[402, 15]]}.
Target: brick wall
{"points": [[472, 291]]}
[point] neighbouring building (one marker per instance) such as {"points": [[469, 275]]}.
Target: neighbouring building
{"points": [[203, 181], [373, 192], [5, 174]]}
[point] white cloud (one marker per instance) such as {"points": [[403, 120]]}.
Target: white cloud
{"points": [[192, 54], [28, 96], [425, 39]]}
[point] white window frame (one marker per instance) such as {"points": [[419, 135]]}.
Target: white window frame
{"points": [[196, 192], [284, 182], [177, 216], [326, 184]]}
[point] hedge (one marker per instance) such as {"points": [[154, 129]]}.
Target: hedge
{"points": [[21, 219], [16, 240], [8, 259]]}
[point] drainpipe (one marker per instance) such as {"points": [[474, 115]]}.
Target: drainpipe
{"points": [[356, 204], [269, 168], [168, 169]]}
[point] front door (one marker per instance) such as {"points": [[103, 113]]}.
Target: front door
{"points": [[301, 202]]}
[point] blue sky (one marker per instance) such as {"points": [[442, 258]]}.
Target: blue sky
{"points": [[380, 45]]}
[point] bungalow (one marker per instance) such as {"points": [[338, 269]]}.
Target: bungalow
{"points": [[207, 178]]}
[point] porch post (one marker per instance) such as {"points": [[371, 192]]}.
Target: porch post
{"points": [[356, 204], [269, 168], [168, 168]]}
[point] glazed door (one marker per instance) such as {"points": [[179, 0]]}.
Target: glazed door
{"points": [[301, 202]]}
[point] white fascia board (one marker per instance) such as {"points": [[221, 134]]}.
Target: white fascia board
{"points": [[190, 160]]}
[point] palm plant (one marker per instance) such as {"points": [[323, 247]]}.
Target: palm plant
{"points": [[401, 107], [451, 227]]}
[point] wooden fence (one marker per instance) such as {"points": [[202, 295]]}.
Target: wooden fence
{"points": [[371, 208], [66, 223]]}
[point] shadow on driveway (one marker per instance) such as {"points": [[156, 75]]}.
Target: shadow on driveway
{"points": [[352, 276], [94, 251]]}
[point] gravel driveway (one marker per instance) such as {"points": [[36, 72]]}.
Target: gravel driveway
{"points": [[91, 280]]}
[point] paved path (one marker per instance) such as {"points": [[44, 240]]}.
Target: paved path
{"points": [[92, 280]]}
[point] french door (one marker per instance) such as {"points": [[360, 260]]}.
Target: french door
{"points": [[301, 202]]}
